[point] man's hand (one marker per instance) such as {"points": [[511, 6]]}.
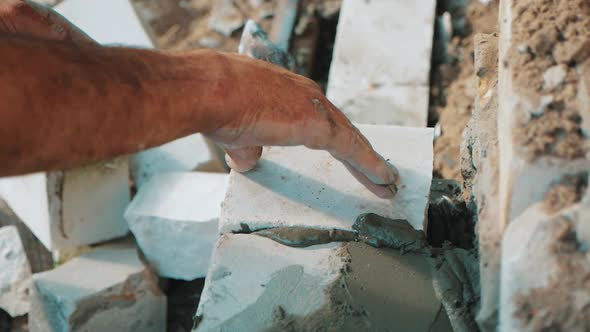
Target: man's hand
{"points": [[121, 100], [272, 106], [32, 19]]}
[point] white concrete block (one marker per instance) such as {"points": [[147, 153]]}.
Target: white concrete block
{"points": [[122, 26], [295, 186], [70, 208], [256, 284], [15, 273], [182, 155], [174, 218], [108, 289], [381, 65], [248, 270]]}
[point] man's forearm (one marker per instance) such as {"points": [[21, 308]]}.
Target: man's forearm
{"points": [[64, 104]]}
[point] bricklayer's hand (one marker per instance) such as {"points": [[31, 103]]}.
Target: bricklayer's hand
{"points": [[267, 105], [254, 103], [29, 18]]}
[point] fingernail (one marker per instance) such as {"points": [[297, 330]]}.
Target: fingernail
{"points": [[384, 192], [393, 174], [393, 188]]}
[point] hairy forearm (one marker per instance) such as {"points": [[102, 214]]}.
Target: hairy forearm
{"points": [[65, 104]]}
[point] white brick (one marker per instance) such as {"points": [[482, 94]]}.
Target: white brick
{"points": [[174, 218], [70, 208], [381, 65], [108, 289], [295, 186], [15, 273], [182, 155], [122, 26], [256, 284], [244, 265]]}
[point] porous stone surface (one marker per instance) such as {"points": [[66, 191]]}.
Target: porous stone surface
{"points": [[545, 270], [316, 191], [66, 209], [108, 289], [540, 126], [15, 273], [39, 257], [544, 165], [372, 80], [480, 170], [174, 218], [123, 25], [257, 284]]}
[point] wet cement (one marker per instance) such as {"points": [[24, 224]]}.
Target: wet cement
{"points": [[393, 290], [299, 237], [379, 231], [393, 281], [370, 228], [379, 290]]}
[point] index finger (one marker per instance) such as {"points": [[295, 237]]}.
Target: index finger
{"points": [[347, 144]]}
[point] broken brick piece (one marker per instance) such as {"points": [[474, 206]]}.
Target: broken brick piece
{"points": [[108, 289]]}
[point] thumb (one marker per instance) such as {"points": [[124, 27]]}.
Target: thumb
{"points": [[243, 159]]}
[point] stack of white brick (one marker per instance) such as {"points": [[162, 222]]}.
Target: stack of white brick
{"points": [[381, 65]]}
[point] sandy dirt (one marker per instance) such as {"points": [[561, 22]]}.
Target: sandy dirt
{"points": [[566, 192], [453, 90], [176, 26], [546, 34]]}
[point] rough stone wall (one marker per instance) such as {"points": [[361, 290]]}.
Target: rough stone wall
{"points": [[479, 168], [543, 117], [543, 121]]}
